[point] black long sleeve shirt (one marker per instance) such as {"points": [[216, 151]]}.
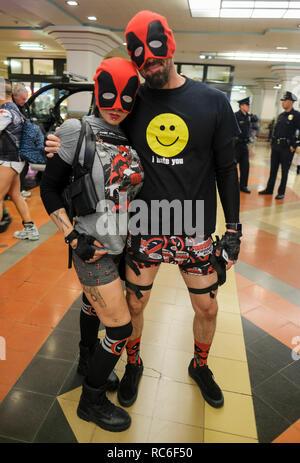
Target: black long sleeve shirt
{"points": [[184, 137]]}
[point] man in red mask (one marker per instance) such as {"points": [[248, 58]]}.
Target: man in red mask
{"points": [[182, 130]]}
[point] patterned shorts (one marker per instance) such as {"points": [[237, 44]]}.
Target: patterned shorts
{"points": [[191, 254], [99, 273]]}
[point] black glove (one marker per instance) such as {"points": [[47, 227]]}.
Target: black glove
{"points": [[230, 242], [85, 248]]}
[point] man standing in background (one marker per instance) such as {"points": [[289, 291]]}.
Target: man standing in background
{"points": [[283, 145], [241, 147], [20, 97]]}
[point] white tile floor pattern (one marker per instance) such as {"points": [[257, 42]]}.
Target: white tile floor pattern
{"points": [[170, 407]]}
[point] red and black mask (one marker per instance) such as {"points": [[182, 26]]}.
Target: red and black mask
{"points": [[116, 84], [149, 36]]}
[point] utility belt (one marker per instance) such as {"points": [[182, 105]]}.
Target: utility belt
{"points": [[243, 141], [281, 141]]}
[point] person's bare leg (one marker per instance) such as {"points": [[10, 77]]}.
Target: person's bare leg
{"points": [[20, 203], [128, 389], [110, 305], [204, 326], [6, 177], [137, 305]]}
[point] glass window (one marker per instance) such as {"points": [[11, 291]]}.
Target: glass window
{"points": [[218, 74], [194, 71], [4, 68], [20, 66], [43, 66], [44, 102]]}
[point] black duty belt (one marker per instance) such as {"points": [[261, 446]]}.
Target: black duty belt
{"points": [[281, 141]]}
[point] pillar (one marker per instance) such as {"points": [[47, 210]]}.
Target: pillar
{"points": [[289, 78], [268, 104], [85, 46]]}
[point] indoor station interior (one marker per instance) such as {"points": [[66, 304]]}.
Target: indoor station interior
{"points": [[243, 49]]}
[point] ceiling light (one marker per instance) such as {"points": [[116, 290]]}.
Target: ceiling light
{"points": [[267, 13], [271, 4], [201, 8], [202, 56], [245, 9], [271, 57], [293, 14], [92, 18], [245, 4], [281, 48], [72, 3], [236, 13], [31, 46]]}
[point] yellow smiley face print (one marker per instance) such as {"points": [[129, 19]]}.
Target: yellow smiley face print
{"points": [[167, 135]]}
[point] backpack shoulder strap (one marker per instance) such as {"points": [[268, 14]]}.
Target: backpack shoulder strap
{"points": [[89, 154], [79, 143], [90, 145]]}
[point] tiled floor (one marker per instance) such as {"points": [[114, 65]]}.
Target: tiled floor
{"points": [[254, 355]]}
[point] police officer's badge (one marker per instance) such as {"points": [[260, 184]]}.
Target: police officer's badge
{"points": [[290, 117]]}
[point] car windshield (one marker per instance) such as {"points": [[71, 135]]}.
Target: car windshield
{"points": [[50, 107], [46, 101]]}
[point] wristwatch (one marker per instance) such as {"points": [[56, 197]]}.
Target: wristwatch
{"points": [[72, 236], [234, 226]]}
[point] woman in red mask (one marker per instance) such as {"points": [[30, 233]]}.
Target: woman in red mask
{"points": [[96, 239]]}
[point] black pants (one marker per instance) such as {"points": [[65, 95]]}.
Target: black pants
{"points": [[280, 155], [242, 158]]}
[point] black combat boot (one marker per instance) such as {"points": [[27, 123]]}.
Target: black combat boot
{"points": [[128, 389], [94, 406], [85, 353]]}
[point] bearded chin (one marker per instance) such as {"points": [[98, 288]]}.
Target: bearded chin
{"points": [[159, 79]]}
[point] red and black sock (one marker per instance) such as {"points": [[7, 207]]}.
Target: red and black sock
{"points": [[201, 352], [133, 351]]}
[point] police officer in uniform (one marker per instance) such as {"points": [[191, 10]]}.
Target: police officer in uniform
{"points": [[283, 145], [241, 146]]}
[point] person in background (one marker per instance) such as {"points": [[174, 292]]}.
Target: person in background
{"points": [[6, 219], [283, 145], [20, 97], [241, 147], [11, 122]]}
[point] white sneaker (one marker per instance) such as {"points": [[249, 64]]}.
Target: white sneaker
{"points": [[29, 232], [25, 193]]}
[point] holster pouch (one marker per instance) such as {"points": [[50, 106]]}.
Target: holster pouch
{"points": [[83, 196]]}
